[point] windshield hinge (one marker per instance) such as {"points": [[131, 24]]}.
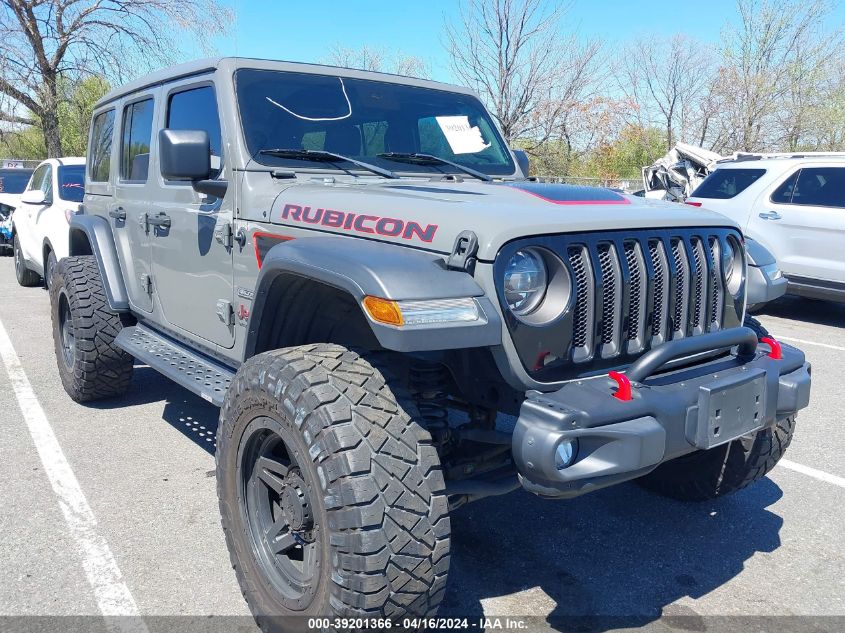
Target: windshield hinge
{"points": [[463, 252]]}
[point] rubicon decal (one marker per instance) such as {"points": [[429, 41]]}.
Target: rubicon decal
{"points": [[360, 222]]}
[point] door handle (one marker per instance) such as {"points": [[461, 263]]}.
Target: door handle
{"points": [[161, 220], [770, 215], [118, 214]]}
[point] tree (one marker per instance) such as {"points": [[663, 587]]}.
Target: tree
{"points": [[668, 79], [513, 54], [378, 60], [772, 60], [46, 42]]}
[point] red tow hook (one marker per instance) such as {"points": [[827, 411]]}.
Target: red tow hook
{"points": [[623, 385], [775, 351]]}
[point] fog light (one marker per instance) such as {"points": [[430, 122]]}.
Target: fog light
{"points": [[565, 453]]}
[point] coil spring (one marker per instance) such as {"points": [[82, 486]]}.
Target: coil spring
{"points": [[429, 384]]}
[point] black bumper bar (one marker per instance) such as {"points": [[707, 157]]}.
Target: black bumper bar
{"points": [[671, 414]]}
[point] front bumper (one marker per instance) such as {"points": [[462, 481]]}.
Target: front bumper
{"points": [[763, 285], [670, 414]]}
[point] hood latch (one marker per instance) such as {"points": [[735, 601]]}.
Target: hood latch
{"points": [[463, 252]]}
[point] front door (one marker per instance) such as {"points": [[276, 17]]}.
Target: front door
{"points": [[192, 259], [803, 223], [26, 215]]}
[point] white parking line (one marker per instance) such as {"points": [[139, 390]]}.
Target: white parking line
{"points": [[805, 342], [111, 593], [812, 472]]}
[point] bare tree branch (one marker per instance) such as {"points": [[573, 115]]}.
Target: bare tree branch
{"points": [[45, 42]]}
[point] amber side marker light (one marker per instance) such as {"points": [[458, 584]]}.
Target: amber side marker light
{"points": [[383, 310]]}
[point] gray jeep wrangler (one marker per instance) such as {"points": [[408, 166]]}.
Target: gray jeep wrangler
{"points": [[354, 267]]}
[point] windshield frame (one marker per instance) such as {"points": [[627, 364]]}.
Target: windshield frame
{"points": [[510, 166]]}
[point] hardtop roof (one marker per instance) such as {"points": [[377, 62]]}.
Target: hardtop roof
{"points": [[200, 66]]}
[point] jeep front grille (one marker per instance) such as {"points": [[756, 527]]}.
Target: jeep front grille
{"points": [[632, 294], [627, 292]]}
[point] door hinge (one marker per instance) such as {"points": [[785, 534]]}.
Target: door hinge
{"points": [[147, 283], [226, 312], [223, 234]]}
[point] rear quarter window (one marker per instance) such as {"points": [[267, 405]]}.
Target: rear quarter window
{"points": [[723, 184]]}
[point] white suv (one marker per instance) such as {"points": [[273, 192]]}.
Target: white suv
{"points": [[794, 205], [41, 220]]}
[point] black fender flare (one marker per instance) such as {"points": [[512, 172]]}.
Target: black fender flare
{"points": [[95, 231], [46, 243], [364, 267]]}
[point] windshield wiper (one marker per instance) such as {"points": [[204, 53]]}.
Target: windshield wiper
{"points": [[326, 157], [431, 159]]}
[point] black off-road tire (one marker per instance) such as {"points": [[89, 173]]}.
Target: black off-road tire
{"points": [[26, 277], [379, 505], [705, 475], [754, 324], [94, 368], [50, 269]]}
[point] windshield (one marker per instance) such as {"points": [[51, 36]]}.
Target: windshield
{"points": [[362, 119], [14, 180], [72, 182]]}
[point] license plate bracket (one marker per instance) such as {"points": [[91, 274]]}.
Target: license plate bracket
{"points": [[729, 408]]}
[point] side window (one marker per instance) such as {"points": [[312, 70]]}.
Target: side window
{"points": [[99, 152], [37, 179], [47, 183], [820, 186], [196, 109], [783, 194], [135, 147]]}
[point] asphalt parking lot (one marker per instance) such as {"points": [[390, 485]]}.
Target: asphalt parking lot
{"points": [[147, 522]]}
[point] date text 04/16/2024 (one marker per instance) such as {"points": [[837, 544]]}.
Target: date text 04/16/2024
{"points": [[435, 624]]}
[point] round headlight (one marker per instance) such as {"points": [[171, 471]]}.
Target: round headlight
{"points": [[733, 266], [525, 282]]}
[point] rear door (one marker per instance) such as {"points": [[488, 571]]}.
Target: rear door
{"points": [[133, 187], [192, 261], [802, 221]]}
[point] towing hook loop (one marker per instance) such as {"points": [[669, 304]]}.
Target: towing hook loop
{"points": [[775, 352], [623, 385]]}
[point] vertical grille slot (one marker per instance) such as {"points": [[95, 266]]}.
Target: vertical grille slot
{"points": [[638, 301], [661, 291], [608, 294], [582, 276], [611, 300], [699, 286], [681, 312], [717, 296]]}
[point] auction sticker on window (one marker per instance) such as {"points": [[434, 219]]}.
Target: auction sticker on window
{"points": [[463, 138]]}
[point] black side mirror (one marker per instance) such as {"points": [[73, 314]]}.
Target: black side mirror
{"points": [[522, 161], [186, 155]]}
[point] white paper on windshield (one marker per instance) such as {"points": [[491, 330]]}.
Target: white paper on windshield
{"points": [[462, 137]]}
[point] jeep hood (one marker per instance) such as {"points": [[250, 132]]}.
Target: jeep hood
{"points": [[431, 214]]}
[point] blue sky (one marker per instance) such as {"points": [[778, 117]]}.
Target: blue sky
{"points": [[305, 31]]}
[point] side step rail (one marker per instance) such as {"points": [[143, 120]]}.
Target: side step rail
{"points": [[206, 378]]}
